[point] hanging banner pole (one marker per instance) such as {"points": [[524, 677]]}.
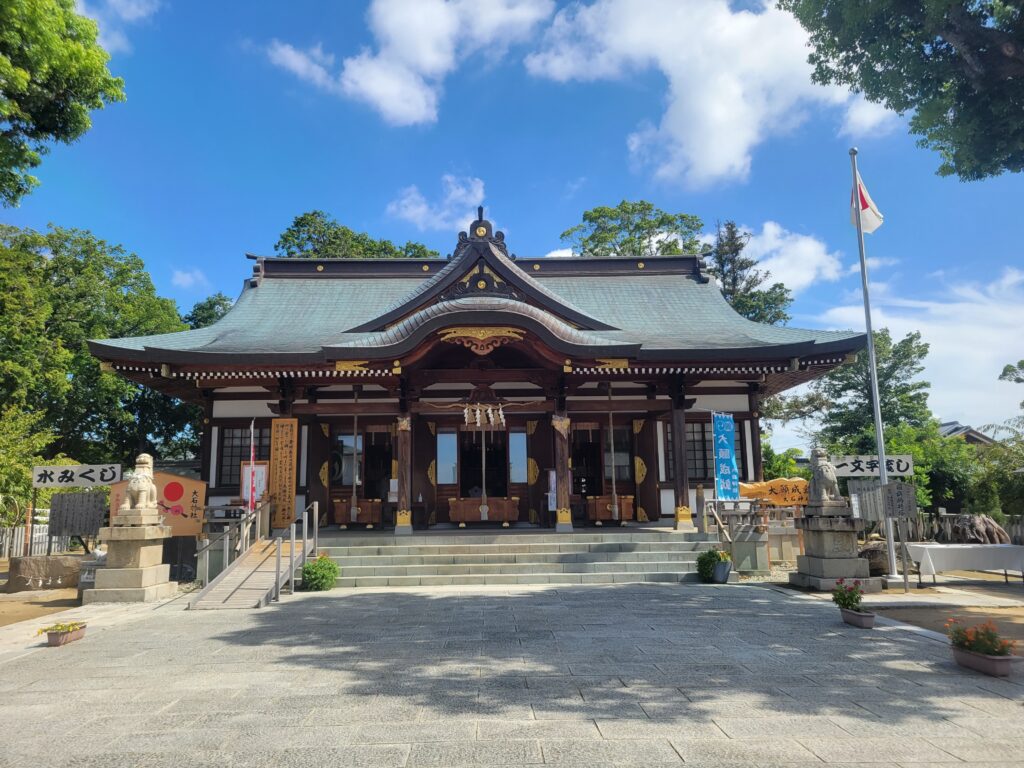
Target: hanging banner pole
{"points": [[872, 365]]}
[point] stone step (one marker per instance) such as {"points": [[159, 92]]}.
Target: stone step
{"points": [[490, 558], [335, 538], [503, 578], [359, 571], [512, 548]]}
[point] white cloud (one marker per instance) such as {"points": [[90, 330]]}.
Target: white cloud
{"points": [[973, 330], [113, 16], [189, 278], [455, 210], [867, 120], [559, 253], [735, 77], [798, 261], [418, 43]]}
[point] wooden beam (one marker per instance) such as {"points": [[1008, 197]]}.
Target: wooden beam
{"points": [[368, 408], [637, 405], [427, 408]]}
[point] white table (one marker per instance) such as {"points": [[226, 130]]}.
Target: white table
{"points": [[935, 558]]}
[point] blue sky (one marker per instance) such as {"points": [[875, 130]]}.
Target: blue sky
{"points": [[398, 117]]}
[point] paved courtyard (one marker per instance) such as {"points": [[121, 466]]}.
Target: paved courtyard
{"points": [[652, 675]]}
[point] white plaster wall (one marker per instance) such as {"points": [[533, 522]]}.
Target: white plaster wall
{"points": [[751, 473], [731, 403], [236, 409], [214, 444]]}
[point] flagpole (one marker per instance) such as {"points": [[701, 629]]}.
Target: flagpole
{"points": [[883, 475]]}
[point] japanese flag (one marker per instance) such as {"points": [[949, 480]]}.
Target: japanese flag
{"points": [[870, 217]]}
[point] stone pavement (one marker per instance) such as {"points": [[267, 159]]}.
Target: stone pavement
{"points": [[623, 675]]}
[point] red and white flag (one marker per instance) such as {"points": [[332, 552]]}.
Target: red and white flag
{"points": [[252, 465], [870, 217]]}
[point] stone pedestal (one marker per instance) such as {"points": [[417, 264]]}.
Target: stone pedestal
{"points": [[830, 546], [134, 571]]}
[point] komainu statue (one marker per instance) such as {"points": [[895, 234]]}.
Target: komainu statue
{"points": [[823, 486], [141, 492]]}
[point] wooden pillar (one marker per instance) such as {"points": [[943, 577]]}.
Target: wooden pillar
{"points": [[403, 518], [754, 406], [206, 439], [318, 467], [681, 480], [645, 468], [563, 514]]}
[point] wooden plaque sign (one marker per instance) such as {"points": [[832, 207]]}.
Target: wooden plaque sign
{"points": [[900, 500], [181, 501], [780, 492], [284, 451]]}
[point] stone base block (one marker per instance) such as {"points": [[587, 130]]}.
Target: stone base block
{"points": [[136, 518], [853, 524], [833, 567], [403, 530], [827, 585], [831, 544], [43, 572], [834, 508], [130, 594], [135, 554], [132, 578], [135, 533]]}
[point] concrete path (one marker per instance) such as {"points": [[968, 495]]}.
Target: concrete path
{"points": [[623, 675]]}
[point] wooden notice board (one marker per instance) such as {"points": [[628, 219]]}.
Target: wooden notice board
{"points": [[284, 451]]}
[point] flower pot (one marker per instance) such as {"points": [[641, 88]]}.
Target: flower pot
{"points": [[63, 638], [721, 573], [997, 666], [862, 619]]}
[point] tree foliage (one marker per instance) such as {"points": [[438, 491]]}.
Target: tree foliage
{"points": [[841, 399], [634, 230], [59, 289], [315, 235], [208, 311], [956, 65], [783, 464], [52, 74], [741, 282]]}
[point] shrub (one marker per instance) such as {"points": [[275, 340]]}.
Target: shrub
{"points": [[320, 574], [983, 638], [848, 596], [706, 562], [69, 626]]}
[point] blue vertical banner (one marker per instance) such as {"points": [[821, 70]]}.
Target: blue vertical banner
{"points": [[727, 477]]}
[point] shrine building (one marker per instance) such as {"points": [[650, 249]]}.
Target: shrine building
{"points": [[483, 389]]}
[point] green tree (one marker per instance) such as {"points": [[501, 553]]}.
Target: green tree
{"points": [[52, 73], [315, 235], [781, 464], [956, 65], [23, 437], [841, 399], [1013, 372], [741, 281], [634, 230], [208, 311]]}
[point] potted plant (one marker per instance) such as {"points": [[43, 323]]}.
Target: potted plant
{"points": [[63, 633], [713, 565], [980, 647], [848, 597]]}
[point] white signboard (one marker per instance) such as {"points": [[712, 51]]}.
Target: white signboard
{"points": [[76, 475], [868, 466], [261, 471], [900, 500]]}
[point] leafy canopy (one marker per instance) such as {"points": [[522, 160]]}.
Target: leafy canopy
{"points": [[208, 311], [958, 67], [315, 235], [741, 281], [52, 73], [634, 230]]}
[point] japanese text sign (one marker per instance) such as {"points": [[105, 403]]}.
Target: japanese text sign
{"points": [[727, 477], [900, 499], [868, 466], [75, 475], [780, 492], [181, 501]]}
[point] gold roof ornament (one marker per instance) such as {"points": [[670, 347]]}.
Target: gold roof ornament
{"points": [[483, 339], [611, 363], [350, 365]]}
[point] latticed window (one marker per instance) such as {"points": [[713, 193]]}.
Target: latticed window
{"points": [[700, 462], [234, 449]]}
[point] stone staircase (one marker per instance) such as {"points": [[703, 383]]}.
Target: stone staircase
{"points": [[512, 557]]}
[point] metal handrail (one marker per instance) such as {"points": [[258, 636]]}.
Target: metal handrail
{"points": [[246, 530], [304, 517]]}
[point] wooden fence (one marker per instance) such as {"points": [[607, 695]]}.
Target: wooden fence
{"points": [[939, 528], [12, 541]]}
